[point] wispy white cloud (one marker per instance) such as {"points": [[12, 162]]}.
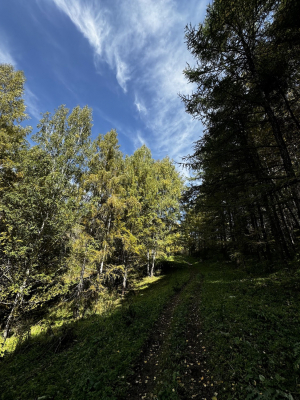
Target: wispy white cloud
{"points": [[96, 24], [122, 74], [143, 43], [31, 102], [6, 56], [139, 105], [140, 140], [89, 19]]}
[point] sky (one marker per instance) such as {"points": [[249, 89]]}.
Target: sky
{"points": [[123, 58]]}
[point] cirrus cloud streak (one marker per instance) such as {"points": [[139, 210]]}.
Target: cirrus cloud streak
{"points": [[142, 41]]}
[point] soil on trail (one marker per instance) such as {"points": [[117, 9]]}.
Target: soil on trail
{"points": [[195, 383]]}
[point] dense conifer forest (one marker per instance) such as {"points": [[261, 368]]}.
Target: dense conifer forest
{"points": [[120, 280], [246, 202]]}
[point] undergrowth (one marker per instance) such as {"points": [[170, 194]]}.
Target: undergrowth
{"points": [[251, 322], [90, 358], [250, 336]]}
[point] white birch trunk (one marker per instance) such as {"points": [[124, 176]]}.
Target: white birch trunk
{"points": [[124, 281], [105, 246], [153, 263], [148, 262]]}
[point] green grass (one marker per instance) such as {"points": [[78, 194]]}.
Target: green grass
{"points": [[90, 358], [184, 372], [252, 325], [250, 328], [251, 331], [173, 367]]}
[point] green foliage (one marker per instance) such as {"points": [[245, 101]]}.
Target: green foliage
{"points": [[91, 358], [39, 211], [245, 164], [12, 113], [76, 218]]}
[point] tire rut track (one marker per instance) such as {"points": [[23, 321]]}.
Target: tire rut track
{"points": [[197, 382], [147, 369]]}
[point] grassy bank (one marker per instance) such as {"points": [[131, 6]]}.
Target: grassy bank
{"points": [[90, 358], [251, 323]]}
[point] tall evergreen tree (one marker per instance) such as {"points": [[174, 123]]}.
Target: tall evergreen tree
{"points": [[247, 96]]}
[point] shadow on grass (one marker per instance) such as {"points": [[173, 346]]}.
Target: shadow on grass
{"points": [[89, 358]]}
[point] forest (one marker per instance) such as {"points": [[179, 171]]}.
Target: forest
{"points": [[246, 202], [77, 217], [85, 231]]}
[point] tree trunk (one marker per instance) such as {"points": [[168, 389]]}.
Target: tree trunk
{"points": [[148, 262], [264, 234], [79, 291], [18, 300], [103, 258], [293, 216], [153, 263], [124, 281], [105, 246]]}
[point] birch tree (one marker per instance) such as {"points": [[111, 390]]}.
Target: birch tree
{"points": [[40, 211]]}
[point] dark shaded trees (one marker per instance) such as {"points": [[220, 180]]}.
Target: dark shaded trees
{"points": [[247, 77]]}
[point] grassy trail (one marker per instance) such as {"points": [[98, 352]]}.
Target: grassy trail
{"points": [[147, 370], [169, 366], [92, 358], [183, 371], [203, 331]]}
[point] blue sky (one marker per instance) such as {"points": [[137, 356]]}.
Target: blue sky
{"points": [[122, 58]]}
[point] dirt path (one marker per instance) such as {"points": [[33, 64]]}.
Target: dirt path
{"points": [[147, 371], [197, 380]]}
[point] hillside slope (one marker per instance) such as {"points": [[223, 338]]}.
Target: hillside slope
{"points": [[203, 331]]}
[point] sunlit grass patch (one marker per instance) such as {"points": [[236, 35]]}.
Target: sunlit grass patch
{"points": [[61, 314], [147, 281], [10, 345]]}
